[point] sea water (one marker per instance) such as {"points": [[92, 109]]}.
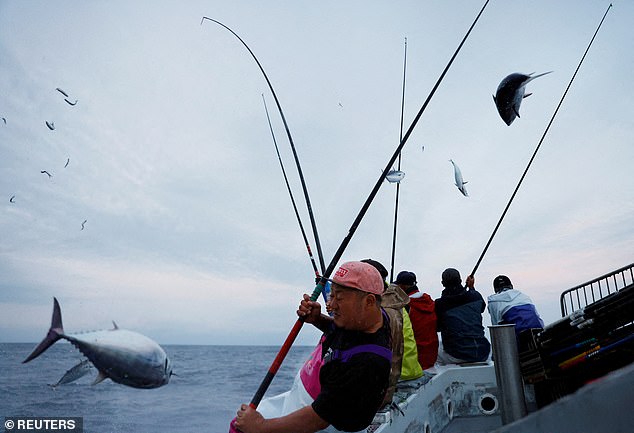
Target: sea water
{"points": [[209, 385]]}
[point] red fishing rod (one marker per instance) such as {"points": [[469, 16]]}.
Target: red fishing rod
{"points": [[497, 226]]}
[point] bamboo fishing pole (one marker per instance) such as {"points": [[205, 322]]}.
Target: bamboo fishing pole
{"points": [[398, 185], [277, 362], [497, 226]]}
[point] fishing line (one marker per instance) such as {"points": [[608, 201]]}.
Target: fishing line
{"points": [[290, 193], [538, 146], [398, 185], [277, 362], [290, 140]]}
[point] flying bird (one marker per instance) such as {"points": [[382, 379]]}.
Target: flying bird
{"points": [[51, 125], [62, 92], [84, 223], [47, 173], [510, 93], [4, 120], [71, 103], [395, 176], [67, 161], [340, 105], [460, 183], [12, 199]]}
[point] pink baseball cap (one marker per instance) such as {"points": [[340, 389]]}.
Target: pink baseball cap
{"points": [[360, 276]]}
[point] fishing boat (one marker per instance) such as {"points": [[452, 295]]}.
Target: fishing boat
{"points": [[575, 375]]}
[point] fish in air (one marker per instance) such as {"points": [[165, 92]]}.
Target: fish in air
{"points": [[51, 125], [510, 93], [123, 356], [46, 173], [395, 176], [460, 182]]}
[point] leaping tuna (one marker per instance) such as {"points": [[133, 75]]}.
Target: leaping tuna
{"points": [[460, 183], [510, 93], [126, 357]]}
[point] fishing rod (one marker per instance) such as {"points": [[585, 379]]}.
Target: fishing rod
{"points": [[290, 140], [290, 192], [398, 185], [538, 146], [277, 362]]}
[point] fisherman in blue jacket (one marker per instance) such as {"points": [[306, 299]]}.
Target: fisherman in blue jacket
{"points": [[459, 321], [510, 306]]}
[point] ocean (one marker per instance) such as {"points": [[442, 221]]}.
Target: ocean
{"points": [[211, 383]]}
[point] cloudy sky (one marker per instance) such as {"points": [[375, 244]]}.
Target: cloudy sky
{"points": [[189, 233]]}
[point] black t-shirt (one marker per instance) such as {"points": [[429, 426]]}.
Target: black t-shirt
{"points": [[352, 390]]}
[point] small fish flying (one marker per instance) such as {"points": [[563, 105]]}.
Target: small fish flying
{"points": [[125, 357], [460, 183], [395, 176], [510, 93], [51, 125]]}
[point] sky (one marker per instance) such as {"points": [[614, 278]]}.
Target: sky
{"points": [[167, 160]]}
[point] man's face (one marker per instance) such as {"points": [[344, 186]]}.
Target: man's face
{"points": [[348, 307]]}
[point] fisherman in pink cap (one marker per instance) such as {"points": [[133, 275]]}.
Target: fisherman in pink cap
{"points": [[357, 358]]}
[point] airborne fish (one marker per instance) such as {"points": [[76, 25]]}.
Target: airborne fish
{"points": [[460, 183], [395, 176], [126, 357], [510, 93]]}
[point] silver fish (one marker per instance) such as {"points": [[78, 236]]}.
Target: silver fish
{"points": [[75, 373], [460, 183], [395, 176], [126, 357], [510, 93]]}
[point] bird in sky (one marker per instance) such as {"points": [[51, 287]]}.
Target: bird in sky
{"points": [[51, 125], [47, 173], [83, 224], [12, 199]]}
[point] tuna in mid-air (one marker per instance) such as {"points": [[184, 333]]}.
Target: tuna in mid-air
{"points": [[125, 357], [460, 183], [395, 176], [510, 93]]}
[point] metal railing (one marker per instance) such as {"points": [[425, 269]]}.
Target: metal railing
{"points": [[587, 293]]}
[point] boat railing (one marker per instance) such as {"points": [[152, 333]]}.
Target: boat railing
{"points": [[584, 294]]}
